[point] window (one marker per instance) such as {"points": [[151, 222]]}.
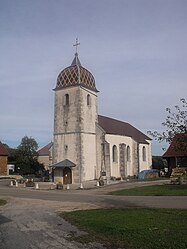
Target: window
{"points": [[88, 100], [67, 99], [144, 153], [114, 154], [128, 154]]}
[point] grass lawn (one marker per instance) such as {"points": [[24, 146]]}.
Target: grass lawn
{"points": [[132, 228], [2, 202], [160, 190]]}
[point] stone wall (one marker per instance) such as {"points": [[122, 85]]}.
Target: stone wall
{"points": [[100, 140], [3, 165], [74, 131], [46, 161], [123, 167], [145, 163], [122, 160]]}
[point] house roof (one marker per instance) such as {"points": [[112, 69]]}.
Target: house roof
{"points": [[3, 150], [117, 127], [63, 164], [45, 150], [178, 147]]}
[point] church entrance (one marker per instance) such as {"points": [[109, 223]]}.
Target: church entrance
{"points": [[67, 176], [63, 171]]}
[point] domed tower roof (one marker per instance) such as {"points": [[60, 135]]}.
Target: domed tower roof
{"points": [[75, 75]]}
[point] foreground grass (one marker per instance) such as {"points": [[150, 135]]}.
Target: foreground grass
{"points": [[3, 202], [160, 190], [133, 228]]}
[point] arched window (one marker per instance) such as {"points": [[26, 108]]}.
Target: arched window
{"points": [[144, 153], [67, 99], [115, 154], [88, 100], [128, 154]]}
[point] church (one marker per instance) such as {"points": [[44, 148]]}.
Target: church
{"points": [[89, 146]]}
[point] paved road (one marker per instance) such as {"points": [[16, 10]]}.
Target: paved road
{"points": [[34, 224], [97, 197], [30, 219]]}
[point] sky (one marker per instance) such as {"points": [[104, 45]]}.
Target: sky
{"points": [[136, 50]]}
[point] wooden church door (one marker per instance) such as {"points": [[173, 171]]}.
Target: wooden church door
{"points": [[67, 176]]}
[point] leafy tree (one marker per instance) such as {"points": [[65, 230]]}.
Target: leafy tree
{"points": [[158, 162], [25, 157], [175, 126]]}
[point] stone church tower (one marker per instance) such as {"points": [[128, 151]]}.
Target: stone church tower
{"points": [[75, 118], [87, 146]]}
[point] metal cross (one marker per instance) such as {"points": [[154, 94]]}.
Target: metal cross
{"points": [[76, 44]]}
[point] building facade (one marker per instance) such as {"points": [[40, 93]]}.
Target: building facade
{"points": [[176, 154], [86, 145], [45, 155], [3, 160]]}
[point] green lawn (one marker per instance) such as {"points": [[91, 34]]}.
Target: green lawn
{"points": [[2, 202], [132, 228], [160, 190]]}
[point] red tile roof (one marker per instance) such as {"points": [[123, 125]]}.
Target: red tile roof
{"points": [[3, 150], [178, 146], [116, 127], [45, 150]]}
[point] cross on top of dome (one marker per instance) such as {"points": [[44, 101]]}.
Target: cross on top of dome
{"points": [[76, 45], [76, 75], [76, 61]]}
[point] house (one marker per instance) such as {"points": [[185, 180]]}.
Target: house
{"points": [[3, 160], [45, 155], [176, 154]]}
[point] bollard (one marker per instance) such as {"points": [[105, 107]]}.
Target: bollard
{"points": [[68, 187], [11, 183], [81, 186], [24, 185], [37, 186], [16, 184], [98, 184]]}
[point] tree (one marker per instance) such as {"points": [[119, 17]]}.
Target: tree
{"points": [[175, 125], [26, 157], [158, 162]]}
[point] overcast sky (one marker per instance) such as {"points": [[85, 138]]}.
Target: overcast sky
{"points": [[136, 50]]}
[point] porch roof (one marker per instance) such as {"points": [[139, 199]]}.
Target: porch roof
{"points": [[63, 164]]}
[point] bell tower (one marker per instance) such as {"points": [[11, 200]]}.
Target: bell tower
{"points": [[75, 116]]}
